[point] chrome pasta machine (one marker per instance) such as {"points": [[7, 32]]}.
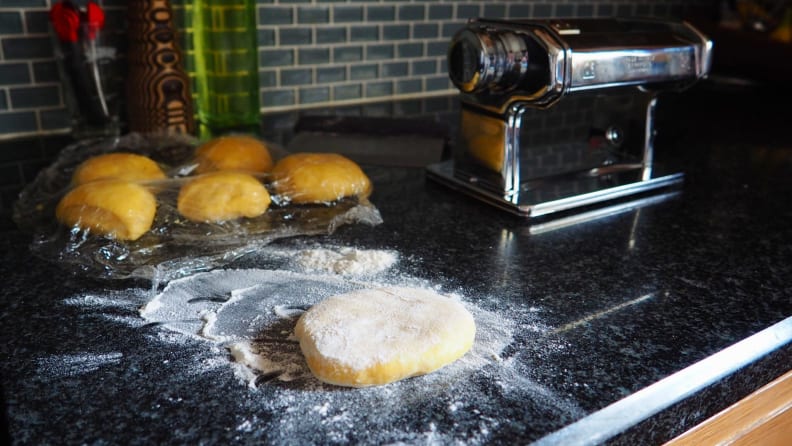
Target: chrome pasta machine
{"points": [[559, 114]]}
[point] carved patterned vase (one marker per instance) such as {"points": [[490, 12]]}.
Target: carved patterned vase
{"points": [[158, 88]]}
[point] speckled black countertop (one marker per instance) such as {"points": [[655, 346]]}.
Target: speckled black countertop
{"points": [[623, 301]]}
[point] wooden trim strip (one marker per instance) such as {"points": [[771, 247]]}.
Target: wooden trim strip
{"points": [[762, 418]]}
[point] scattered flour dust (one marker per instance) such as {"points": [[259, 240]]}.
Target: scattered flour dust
{"points": [[248, 315], [76, 364], [117, 306], [252, 313]]}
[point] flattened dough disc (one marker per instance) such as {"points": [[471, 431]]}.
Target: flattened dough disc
{"points": [[376, 336]]}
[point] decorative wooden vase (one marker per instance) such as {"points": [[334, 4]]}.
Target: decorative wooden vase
{"points": [[158, 89]]}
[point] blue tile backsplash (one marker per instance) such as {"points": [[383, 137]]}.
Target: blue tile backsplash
{"points": [[312, 53]]}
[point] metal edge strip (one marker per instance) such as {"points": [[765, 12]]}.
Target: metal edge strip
{"points": [[616, 418], [609, 193], [594, 214], [443, 172]]}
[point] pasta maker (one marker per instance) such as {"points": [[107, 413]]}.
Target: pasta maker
{"points": [[559, 114]]}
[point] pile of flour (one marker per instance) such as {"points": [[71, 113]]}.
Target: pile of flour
{"points": [[346, 261]]}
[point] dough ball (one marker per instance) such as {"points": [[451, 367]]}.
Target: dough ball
{"points": [[485, 137], [118, 209], [376, 336], [222, 196], [117, 166], [319, 178], [237, 152]]}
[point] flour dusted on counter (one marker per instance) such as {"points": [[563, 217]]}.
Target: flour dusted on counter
{"points": [[253, 313], [76, 364], [243, 320], [346, 261], [256, 362], [237, 325], [217, 305]]}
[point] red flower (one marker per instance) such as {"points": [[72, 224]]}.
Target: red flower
{"points": [[94, 18], [65, 20]]}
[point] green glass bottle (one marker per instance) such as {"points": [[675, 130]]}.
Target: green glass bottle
{"points": [[226, 65]]}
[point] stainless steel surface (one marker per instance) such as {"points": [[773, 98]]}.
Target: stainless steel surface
{"points": [[541, 60], [507, 70], [523, 206]]}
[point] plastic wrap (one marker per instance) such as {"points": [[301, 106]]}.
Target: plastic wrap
{"points": [[174, 246]]}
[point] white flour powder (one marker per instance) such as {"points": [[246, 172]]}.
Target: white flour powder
{"points": [[76, 364], [346, 261], [251, 315], [253, 312]]}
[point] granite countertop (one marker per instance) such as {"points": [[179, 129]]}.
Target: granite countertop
{"points": [[641, 316]]}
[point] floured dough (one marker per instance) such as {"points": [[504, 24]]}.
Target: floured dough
{"points": [[222, 196], [117, 166], [319, 178], [376, 336], [118, 209], [236, 152]]}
